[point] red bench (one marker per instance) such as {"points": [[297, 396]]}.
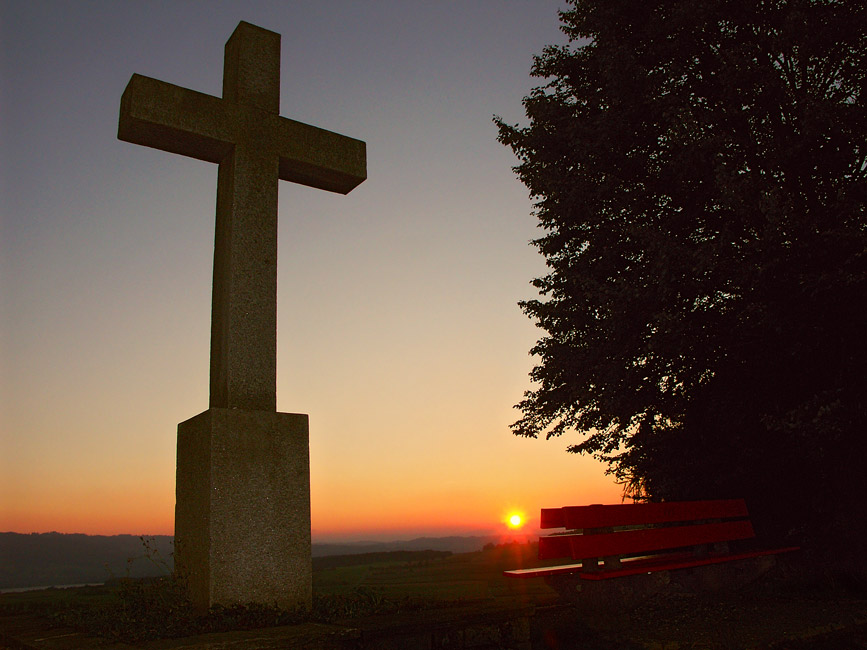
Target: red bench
{"points": [[612, 541]]}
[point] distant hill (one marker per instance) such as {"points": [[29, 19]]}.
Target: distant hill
{"points": [[46, 559], [53, 559]]}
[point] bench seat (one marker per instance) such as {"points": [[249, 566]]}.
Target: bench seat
{"points": [[635, 566]]}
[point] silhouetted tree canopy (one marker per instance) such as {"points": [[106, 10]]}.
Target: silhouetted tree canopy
{"points": [[700, 172]]}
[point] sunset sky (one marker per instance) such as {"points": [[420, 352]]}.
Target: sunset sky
{"points": [[398, 328]]}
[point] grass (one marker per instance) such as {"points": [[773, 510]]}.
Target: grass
{"points": [[132, 610]]}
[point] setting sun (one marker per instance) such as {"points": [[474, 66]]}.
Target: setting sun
{"points": [[515, 521]]}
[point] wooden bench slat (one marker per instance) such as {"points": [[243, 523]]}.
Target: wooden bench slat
{"points": [[632, 565], [632, 542], [554, 546], [668, 561], [628, 514], [685, 563], [552, 518], [542, 572]]}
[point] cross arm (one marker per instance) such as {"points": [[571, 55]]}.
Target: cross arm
{"points": [[161, 115], [319, 158]]}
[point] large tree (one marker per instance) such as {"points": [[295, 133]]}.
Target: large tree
{"points": [[700, 173]]}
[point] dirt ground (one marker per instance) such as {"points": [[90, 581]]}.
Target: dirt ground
{"points": [[771, 615]]}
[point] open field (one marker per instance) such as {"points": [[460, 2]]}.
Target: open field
{"points": [[776, 612], [387, 575], [461, 576]]}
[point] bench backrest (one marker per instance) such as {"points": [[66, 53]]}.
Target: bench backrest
{"points": [[694, 523]]}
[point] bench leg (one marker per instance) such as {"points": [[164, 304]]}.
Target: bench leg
{"points": [[597, 564], [566, 585]]}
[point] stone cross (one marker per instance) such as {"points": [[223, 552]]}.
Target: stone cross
{"points": [[254, 147], [242, 514]]}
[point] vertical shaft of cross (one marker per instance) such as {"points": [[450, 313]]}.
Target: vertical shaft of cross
{"points": [[244, 305]]}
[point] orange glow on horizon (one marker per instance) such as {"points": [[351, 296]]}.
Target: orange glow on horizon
{"points": [[349, 504], [88, 510]]}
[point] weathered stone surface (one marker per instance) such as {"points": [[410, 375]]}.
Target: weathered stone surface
{"points": [[242, 517]]}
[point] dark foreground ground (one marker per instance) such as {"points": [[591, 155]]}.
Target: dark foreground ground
{"points": [[472, 607], [717, 621], [678, 624]]}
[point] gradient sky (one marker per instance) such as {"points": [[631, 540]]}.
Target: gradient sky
{"points": [[398, 329]]}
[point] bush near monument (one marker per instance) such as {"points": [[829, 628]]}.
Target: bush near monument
{"points": [[700, 173]]}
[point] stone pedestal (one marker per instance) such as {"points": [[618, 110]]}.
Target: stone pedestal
{"points": [[242, 513]]}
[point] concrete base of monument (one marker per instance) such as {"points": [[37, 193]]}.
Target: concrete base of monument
{"points": [[242, 513]]}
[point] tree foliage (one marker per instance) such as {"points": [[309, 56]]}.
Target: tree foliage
{"points": [[700, 173]]}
